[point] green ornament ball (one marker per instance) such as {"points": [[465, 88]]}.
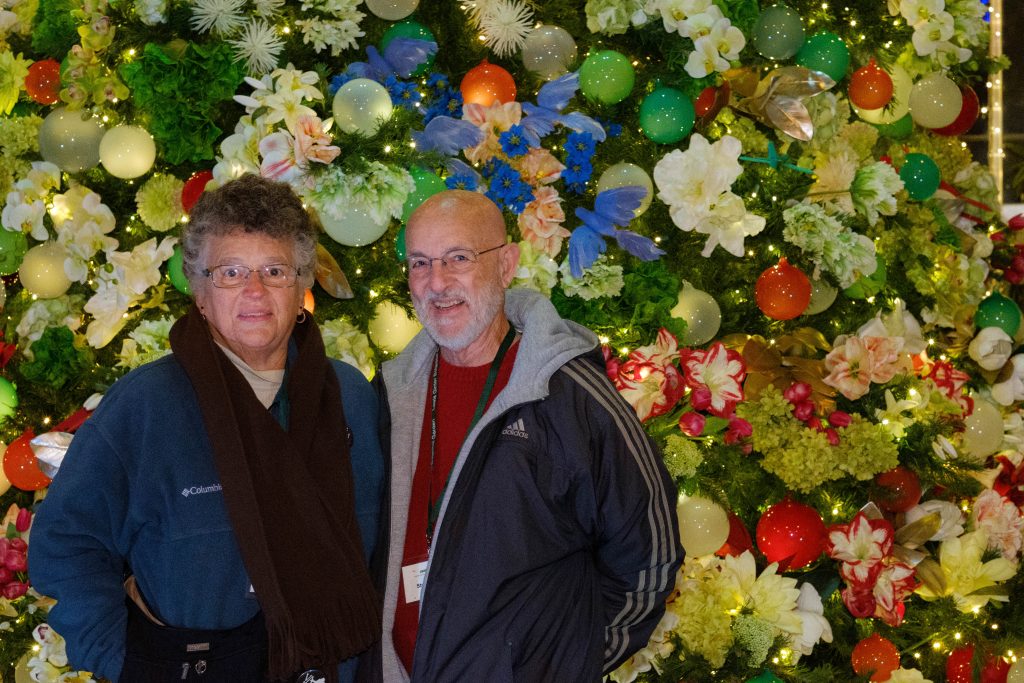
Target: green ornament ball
{"points": [[409, 28], [825, 52], [607, 77], [400, 244], [779, 32], [13, 246], [8, 398], [765, 677], [868, 285], [997, 310], [920, 176], [899, 129], [177, 275], [427, 185], [666, 116]]}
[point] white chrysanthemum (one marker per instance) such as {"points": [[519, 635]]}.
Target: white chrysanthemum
{"points": [[259, 45], [222, 17], [267, 8], [505, 26], [476, 9], [159, 202]]}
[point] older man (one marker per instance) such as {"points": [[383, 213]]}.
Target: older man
{"points": [[533, 528]]}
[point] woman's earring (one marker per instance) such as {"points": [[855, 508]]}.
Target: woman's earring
{"points": [[301, 317]]}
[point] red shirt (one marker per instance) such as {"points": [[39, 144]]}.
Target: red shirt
{"points": [[458, 392]]}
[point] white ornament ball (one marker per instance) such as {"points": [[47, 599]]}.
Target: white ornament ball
{"points": [[69, 141], [983, 430], [624, 174], [935, 101], [392, 10], [702, 314], [391, 328], [5, 483], [703, 525], [823, 295], [361, 105], [549, 51], [898, 106], [127, 151], [355, 227], [42, 270]]}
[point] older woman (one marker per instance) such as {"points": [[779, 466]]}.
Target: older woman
{"points": [[235, 483]]}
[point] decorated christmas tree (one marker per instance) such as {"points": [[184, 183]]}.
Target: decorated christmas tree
{"points": [[765, 211]]}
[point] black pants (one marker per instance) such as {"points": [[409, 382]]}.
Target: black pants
{"points": [[161, 654]]}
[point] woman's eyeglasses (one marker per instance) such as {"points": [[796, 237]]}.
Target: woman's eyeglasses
{"points": [[272, 275]]}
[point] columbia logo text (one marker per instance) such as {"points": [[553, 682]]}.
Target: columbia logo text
{"points": [[196, 490], [517, 428]]}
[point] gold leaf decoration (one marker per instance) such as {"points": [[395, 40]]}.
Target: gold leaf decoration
{"points": [[779, 100], [330, 276]]}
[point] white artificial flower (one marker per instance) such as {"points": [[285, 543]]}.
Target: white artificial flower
{"points": [[815, 626], [944, 449], [239, 153], [728, 225], [899, 322], [991, 348], [61, 311], [108, 307], [344, 341], [139, 269], [691, 182], [705, 59], [728, 39], [267, 8], [699, 25], [917, 11], [259, 46], [951, 518], [83, 225], [902, 675], [151, 12], [21, 216], [929, 35], [222, 17], [833, 176], [505, 25], [1011, 390]]}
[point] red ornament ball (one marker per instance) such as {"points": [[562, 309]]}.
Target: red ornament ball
{"points": [[42, 83], [958, 666], [21, 467], [791, 533], [996, 670], [194, 186], [782, 291], [969, 111], [875, 656], [870, 86], [485, 83], [738, 541], [897, 490]]}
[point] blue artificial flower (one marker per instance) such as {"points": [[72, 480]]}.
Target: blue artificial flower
{"points": [[437, 83], [576, 174], [580, 146], [403, 93], [447, 102], [614, 129], [523, 196], [338, 81], [506, 188], [513, 142], [463, 181]]}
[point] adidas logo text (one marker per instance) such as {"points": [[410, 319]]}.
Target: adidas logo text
{"points": [[517, 428]]}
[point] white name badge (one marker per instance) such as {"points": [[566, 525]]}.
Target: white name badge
{"points": [[412, 580]]}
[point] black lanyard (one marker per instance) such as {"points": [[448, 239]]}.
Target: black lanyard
{"points": [[492, 375]]}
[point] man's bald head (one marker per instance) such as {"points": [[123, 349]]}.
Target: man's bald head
{"points": [[461, 206]]}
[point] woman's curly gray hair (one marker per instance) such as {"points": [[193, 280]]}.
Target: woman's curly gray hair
{"points": [[252, 205]]}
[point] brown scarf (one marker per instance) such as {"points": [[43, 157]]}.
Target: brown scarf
{"points": [[290, 500]]}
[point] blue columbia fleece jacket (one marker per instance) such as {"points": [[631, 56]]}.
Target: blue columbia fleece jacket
{"points": [[138, 491]]}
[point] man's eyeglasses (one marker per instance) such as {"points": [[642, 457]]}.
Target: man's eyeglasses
{"points": [[453, 261], [228, 276]]}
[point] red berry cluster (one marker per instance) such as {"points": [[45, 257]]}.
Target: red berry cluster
{"points": [[1010, 257], [799, 396], [14, 559]]}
